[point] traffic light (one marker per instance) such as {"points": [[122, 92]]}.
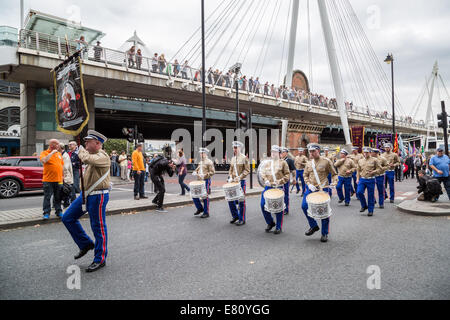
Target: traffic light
{"points": [[129, 133], [442, 120], [141, 138], [243, 120]]}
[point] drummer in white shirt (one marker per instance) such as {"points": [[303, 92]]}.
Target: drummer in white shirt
{"points": [[323, 167]]}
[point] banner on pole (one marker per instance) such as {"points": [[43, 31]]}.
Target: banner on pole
{"points": [[358, 137], [382, 139], [72, 114]]}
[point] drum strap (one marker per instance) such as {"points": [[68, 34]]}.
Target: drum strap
{"points": [[313, 164], [273, 170], [235, 166]]}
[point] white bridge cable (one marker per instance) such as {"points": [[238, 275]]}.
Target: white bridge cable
{"points": [[346, 60], [284, 42], [377, 63], [445, 88], [233, 33], [419, 100], [252, 32], [270, 39], [196, 31], [230, 39], [357, 62], [225, 22], [209, 30], [367, 65], [311, 83]]}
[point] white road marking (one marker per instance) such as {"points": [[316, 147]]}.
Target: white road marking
{"points": [[409, 193], [400, 198]]}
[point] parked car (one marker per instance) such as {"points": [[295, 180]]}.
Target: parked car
{"points": [[19, 174]]}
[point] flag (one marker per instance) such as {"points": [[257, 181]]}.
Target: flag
{"points": [[358, 137], [71, 113], [396, 144]]}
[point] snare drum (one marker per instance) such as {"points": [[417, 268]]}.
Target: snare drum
{"points": [[198, 190], [274, 201], [319, 205], [233, 191]]}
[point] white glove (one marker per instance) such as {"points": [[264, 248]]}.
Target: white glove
{"points": [[312, 188], [194, 173], [202, 176], [236, 179], [229, 180], [267, 183]]}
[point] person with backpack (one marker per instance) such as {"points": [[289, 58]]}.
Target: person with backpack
{"points": [[157, 168], [429, 188]]}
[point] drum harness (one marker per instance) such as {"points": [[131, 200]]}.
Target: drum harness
{"points": [[313, 164]]}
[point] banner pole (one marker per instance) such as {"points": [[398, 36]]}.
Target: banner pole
{"points": [[83, 194]]}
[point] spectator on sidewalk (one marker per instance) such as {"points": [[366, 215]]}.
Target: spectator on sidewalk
{"points": [[52, 178], [182, 171], [138, 172], [440, 166], [73, 154], [123, 163], [67, 198], [115, 170]]}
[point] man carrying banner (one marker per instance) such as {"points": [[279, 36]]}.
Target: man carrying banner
{"points": [[96, 186]]}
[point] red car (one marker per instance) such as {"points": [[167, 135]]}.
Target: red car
{"points": [[19, 174]]}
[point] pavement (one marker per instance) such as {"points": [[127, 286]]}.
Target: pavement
{"points": [[175, 255], [26, 209]]}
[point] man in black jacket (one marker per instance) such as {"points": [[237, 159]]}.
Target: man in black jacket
{"points": [[429, 187], [157, 168]]}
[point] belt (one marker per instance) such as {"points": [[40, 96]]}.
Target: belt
{"points": [[345, 177], [104, 191], [390, 170], [368, 178]]}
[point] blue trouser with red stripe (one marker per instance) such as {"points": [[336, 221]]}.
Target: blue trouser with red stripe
{"points": [[311, 221], [390, 176], [267, 215], [380, 187], [347, 184], [232, 204], [286, 196], [197, 202], [370, 185], [330, 192], [96, 206], [299, 174], [354, 185]]}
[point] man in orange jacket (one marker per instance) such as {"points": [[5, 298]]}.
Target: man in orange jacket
{"points": [[138, 172]]}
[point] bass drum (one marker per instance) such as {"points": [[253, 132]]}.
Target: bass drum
{"points": [[263, 166]]}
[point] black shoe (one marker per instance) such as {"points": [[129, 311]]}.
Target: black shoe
{"points": [[370, 214], [363, 209], [381, 207], [298, 191], [302, 195], [198, 212], [154, 201], [353, 193], [270, 227], [95, 266], [240, 223], [311, 231], [233, 220], [340, 201], [286, 213], [143, 197], [136, 198], [347, 204], [324, 238], [204, 216], [84, 251], [277, 231], [391, 201]]}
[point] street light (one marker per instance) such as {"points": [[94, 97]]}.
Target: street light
{"points": [[236, 68], [390, 60]]}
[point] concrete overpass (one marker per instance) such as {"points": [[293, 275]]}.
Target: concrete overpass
{"points": [[31, 61]]}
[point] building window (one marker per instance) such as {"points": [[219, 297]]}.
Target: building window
{"points": [[8, 117], [45, 110]]}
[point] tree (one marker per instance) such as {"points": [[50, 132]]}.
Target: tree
{"points": [[117, 144]]}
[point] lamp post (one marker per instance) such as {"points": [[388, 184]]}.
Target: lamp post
{"points": [[390, 60], [203, 77]]}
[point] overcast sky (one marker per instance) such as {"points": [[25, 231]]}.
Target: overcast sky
{"points": [[417, 32]]}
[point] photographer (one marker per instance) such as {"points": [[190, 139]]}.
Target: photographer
{"points": [[157, 168]]}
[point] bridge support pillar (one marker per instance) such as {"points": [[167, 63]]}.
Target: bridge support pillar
{"points": [[27, 119]]}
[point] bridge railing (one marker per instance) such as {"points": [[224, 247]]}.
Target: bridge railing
{"points": [[174, 70]]}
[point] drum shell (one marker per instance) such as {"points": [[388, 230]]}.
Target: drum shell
{"points": [[198, 191], [274, 205], [233, 192], [319, 210]]}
